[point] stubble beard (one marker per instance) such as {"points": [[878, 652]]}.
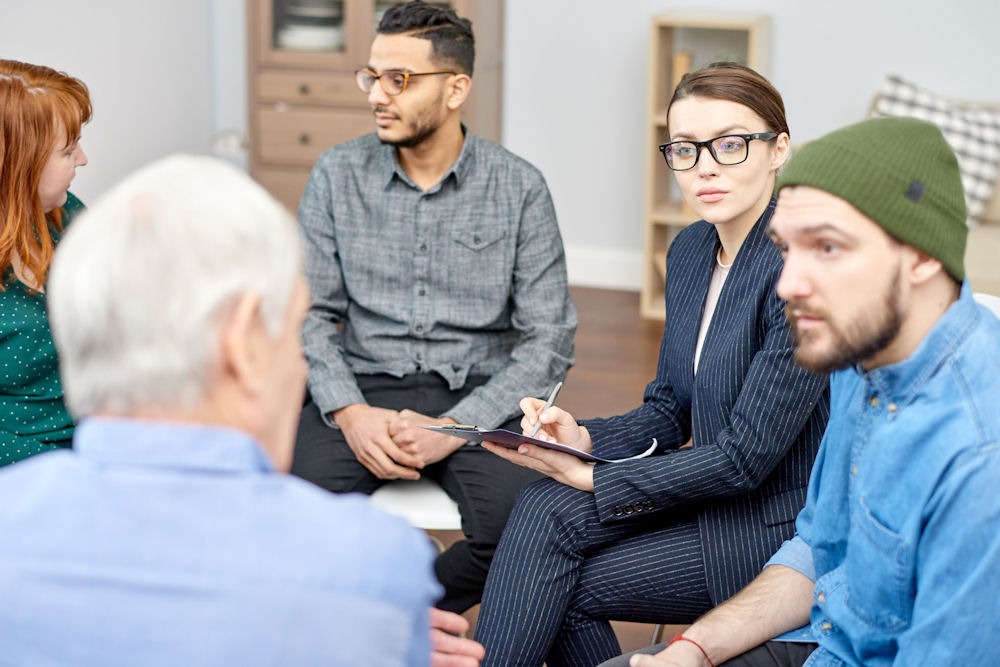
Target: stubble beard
{"points": [[423, 128], [862, 339]]}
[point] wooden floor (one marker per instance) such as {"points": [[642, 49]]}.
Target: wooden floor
{"points": [[616, 354]]}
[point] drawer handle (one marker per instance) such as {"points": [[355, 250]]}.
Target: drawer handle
{"points": [[304, 139], [303, 88]]}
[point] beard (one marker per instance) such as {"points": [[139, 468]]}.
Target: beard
{"points": [[423, 127], [865, 336]]}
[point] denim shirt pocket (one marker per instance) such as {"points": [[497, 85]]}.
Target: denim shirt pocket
{"points": [[878, 572]]}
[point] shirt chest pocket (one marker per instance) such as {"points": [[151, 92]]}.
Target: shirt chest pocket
{"points": [[483, 257], [478, 241], [879, 572]]}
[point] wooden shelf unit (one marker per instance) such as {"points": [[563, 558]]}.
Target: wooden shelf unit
{"points": [[679, 41], [302, 101]]}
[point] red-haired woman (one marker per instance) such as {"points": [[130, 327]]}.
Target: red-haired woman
{"points": [[41, 114]]}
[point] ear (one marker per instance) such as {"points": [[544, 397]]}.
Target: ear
{"points": [[458, 91], [779, 151], [920, 267], [243, 345]]}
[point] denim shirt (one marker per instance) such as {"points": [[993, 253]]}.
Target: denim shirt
{"points": [[466, 278], [901, 528]]}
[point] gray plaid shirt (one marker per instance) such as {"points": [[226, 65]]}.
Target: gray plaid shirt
{"points": [[467, 278]]}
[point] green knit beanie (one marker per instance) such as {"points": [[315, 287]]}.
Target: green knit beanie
{"points": [[901, 173]]}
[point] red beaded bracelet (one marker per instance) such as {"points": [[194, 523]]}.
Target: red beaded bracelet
{"points": [[682, 638]]}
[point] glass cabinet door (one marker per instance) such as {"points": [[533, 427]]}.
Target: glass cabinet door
{"points": [[313, 33], [308, 25]]}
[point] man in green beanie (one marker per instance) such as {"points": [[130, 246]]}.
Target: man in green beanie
{"points": [[896, 559]]}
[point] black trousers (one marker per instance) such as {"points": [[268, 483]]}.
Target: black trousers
{"points": [[769, 654], [484, 485]]}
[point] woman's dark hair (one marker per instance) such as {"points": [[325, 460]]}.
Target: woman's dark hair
{"points": [[735, 83], [452, 42]]}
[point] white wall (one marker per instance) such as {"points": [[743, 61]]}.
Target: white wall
{"points": [[575, 92], [170, 75], [228, 45], [146, 63]]}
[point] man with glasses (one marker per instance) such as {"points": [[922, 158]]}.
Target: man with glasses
{"points": [[439, 292], [896, 560]]}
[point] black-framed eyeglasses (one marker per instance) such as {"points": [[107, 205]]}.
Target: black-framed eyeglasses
{"points": [[726, 150], [393, 81]]}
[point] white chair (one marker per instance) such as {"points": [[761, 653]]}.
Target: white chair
{"points": [[422, 502], [990, 301]]}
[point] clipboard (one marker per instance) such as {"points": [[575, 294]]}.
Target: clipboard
{"points": [[511, 440]]}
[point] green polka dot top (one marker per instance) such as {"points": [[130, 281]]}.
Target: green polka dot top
{"points": [[33, 418]]}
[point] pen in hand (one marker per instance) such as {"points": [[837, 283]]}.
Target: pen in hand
{"points": [[548, 404]]}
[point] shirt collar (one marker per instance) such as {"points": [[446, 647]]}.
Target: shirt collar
{"points": [[901, 381], [161, 444], [389, 166]]}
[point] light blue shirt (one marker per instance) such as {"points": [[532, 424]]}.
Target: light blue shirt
{"points": [[901, 528], [158, 544]]}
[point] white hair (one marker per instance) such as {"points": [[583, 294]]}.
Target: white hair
{"points": [[141, 282]]}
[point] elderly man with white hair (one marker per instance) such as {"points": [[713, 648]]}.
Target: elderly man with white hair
{"points": [[169, 534]]}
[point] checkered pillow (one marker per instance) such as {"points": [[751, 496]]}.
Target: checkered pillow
{"points": [[972, 131]]}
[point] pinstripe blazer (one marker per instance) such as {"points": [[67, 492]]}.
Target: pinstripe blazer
{"points": [[755, 417]]}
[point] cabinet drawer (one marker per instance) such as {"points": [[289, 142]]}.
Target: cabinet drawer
{"points": [[296, 137], [310, 88], [286, 185]]}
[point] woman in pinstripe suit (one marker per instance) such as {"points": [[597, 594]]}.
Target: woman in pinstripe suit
{"points": [[665, 538]]}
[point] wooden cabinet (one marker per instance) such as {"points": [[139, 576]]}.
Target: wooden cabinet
{"points": [[678, 43], [303, 99]]}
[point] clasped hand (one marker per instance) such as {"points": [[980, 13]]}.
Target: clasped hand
{"points": [[391, 444]]}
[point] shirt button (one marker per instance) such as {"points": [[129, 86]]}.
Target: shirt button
{"points": [[891, 407], [873, 401], [475, 239], [422, 291], [826, 626], [821, 598], [854, 470], [422, 247], [419, 328]]}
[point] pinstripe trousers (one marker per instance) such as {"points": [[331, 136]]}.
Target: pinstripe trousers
{"points": [[559, 574]]}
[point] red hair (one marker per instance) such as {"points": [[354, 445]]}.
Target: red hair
{"points": [[36, 103]]}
